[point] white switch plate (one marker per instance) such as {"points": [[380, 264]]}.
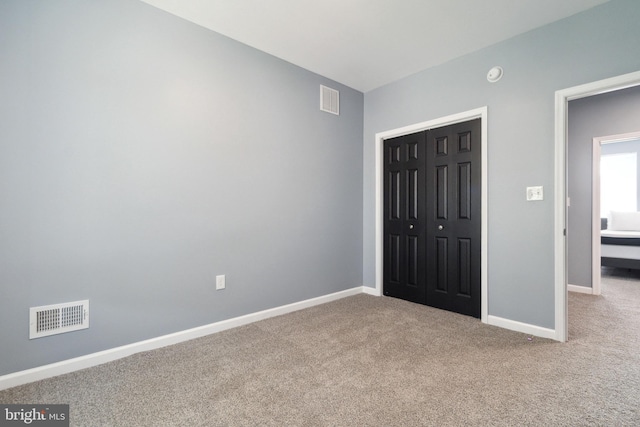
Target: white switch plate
{"points": [[220, 282], [535, 193]]}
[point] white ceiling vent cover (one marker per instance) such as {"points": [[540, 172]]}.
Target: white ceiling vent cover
{"points": [[329, 100], [58, 318]]}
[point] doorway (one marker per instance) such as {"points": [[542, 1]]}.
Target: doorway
{"points": [[612, 202], [562, 98], [432, 221], [480, 113]]}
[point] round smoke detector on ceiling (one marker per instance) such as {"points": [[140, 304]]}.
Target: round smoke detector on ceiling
{"points": [[495, 74]]}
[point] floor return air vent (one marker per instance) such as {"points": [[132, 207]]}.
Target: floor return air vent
{"points": [[58, 318]]}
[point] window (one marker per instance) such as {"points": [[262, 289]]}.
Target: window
{"points": [[618, 183]]}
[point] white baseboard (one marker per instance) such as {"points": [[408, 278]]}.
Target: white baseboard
{"points": [[94, 359], [525, 328], [580, 289], [370, 291]]}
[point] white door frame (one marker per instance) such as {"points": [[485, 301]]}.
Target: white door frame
{"points": [[562, 98], [595, 218], [480, 113], [595, 197]]}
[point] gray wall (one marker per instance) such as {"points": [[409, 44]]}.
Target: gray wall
{"points": [[602, 115], [141, 155], [599, 43]]}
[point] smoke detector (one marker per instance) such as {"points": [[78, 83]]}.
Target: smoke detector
{"points": [[495, 74]]}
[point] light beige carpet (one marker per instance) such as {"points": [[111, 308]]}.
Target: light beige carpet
{"points": [[374, 361]]}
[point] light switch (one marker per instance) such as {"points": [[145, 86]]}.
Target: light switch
{"points": [[534, 193], [221, 282]]}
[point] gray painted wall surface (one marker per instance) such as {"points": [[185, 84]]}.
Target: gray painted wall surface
{"points": [[597, 44], [141, 155], [625, 147], [602, 115]]}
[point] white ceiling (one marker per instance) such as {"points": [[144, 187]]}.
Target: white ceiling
{"points": [[365, 44]]}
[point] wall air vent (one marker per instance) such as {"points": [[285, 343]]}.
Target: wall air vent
{"points": [[58, 318], [329, 100]]}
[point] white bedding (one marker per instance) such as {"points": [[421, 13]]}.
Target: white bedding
{"points": [[622, 234], [624, 221]]}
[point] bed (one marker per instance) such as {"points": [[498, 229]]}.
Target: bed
{"points": [[620, 240]]}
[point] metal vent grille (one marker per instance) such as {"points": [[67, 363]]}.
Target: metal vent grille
{"points": [[329, 100], [58, 318]]}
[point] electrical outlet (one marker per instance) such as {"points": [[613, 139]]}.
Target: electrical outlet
{"points": [[534, 193], [220, 282]]}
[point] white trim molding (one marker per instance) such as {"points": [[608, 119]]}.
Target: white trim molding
{"points": [[95, 359], [370, 291], [480, 113], [562, 98], [525, 328], [581, 289], [596, 259]]}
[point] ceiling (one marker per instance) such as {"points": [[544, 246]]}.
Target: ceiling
{"points": [[365, 44]]}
